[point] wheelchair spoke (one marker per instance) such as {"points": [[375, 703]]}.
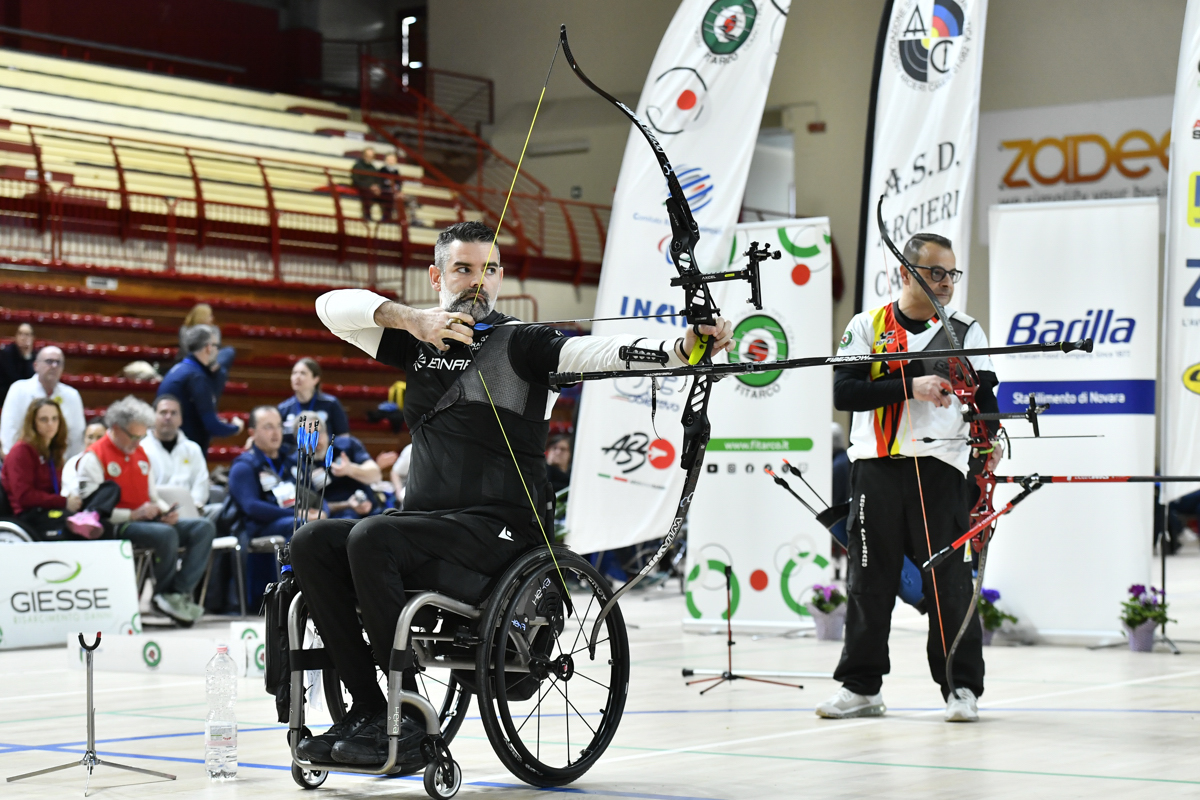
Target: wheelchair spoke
{"points": [[577, 712], [581, 620], [585, 647], [593, 680], [537, 707]]}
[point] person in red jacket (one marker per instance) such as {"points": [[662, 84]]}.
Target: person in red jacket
{"points": [[32, 475]]}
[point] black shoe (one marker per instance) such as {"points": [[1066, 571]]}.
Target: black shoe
{"points": [[318, 749], [369, 744], [410, 757]]}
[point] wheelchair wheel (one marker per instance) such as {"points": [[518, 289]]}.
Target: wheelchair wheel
{"points": [[308, 778], [549, 708]]}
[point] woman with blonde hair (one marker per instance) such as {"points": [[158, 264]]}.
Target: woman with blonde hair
{"points": [[32, 475]]}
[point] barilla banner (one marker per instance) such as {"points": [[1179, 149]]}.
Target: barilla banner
{"points": [[1075, 270], [55, 589], [1181, 298], [921, 132], [739, 517], [1082, 151], [708, 79]]}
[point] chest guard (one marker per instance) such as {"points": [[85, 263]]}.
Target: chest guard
{"points": [[460, 459]]}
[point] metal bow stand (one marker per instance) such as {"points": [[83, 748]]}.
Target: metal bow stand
{"points": [[728, 675], [90, 760]]}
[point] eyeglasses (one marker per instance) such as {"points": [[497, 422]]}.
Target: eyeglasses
{"points": [[52, 362], [135, 439], [938, 274]]}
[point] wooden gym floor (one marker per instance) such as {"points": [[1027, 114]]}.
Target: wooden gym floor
{"points": [[1056, 722]]}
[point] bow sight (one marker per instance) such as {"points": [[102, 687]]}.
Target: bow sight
{"points": [[750, 274]]}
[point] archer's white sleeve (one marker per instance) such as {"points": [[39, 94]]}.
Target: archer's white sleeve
{"points": [[350, 315], [597, 353]]}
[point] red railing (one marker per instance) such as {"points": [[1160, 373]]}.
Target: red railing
{"points": [[201, 234]]}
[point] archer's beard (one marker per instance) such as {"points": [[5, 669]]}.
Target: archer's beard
{"points": [[467, 303]]}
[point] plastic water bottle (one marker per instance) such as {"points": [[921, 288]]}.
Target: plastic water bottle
{"points": [[220, 727]]}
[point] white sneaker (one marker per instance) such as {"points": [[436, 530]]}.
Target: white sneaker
{"points": [[846, 704], [961, 707]]}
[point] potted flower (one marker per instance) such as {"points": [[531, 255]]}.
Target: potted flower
{"points": [[991, 617], [1144, 611], [828, 609]]}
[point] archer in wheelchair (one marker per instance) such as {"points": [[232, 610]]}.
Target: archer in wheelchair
{"points": [[461, 592]]}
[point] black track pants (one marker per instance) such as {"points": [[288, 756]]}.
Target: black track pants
{"points": [[887, 523], [344, 562]]}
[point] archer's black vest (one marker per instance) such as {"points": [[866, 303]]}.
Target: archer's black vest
{"points": [[459, 456]]}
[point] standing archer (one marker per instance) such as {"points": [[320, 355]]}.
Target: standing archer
{"points": [[909, 494]]}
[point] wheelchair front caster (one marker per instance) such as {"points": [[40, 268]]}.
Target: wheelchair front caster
{"points": [[443, 776], [308, 778]]}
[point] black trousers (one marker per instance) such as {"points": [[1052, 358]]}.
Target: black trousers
{"points": [[887, 523], [344, 562]]}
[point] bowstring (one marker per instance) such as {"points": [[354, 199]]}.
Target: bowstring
{"points": [[492, 249], [937, 602], [517, 172]]}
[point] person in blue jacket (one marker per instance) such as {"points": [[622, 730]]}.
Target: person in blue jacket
{"points": [[309, 400], [193, 381], [262, 482], [348, 492]]}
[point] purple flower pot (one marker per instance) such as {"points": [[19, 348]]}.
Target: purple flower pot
{"points": [[829, 626], [987, 637], [1141, 638]]}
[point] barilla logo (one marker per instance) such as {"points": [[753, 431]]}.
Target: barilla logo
{"points": [[1098, 324]]}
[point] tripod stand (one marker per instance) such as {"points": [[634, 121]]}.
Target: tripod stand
{"points": [[728, 675], [90, 760]]}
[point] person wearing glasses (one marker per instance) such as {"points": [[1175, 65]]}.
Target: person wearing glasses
{"points": [[144, 518], [46, 382], [910, 459], [194, 381]]}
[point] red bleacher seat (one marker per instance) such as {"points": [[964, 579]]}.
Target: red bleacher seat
{"points": [[82, 320], [341, 391], [272, 332]]}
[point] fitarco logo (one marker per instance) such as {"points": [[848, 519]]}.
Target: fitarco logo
{"points": [[726, 26], [929, 41]]}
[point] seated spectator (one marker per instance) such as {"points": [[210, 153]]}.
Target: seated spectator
{"points": [[193, 382], [30, 476], [93, 433], [48, 370], [202, 314], [141, 516], [175, 460], [391, 185], [348, 492], [558, 461], [309, 400], [365, 177], [262, 482], [16, 358]]}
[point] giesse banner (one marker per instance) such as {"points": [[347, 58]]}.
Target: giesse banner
{"points": [[52, 589]]}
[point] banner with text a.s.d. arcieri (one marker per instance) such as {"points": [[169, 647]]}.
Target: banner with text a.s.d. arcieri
{"points": [[921, 136], [703, 99], [1181, 302]]}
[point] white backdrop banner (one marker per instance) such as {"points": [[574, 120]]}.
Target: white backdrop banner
{"points": [[1084, 151], [55, 589], [705, 91], [1181, 302], [922, 129], [1064, 558], [740, 517]]}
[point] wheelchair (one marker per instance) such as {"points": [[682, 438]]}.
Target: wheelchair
{"points": [[550, 704]]}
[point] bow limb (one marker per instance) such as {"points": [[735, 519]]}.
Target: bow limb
{"points": [[699, 308]]}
